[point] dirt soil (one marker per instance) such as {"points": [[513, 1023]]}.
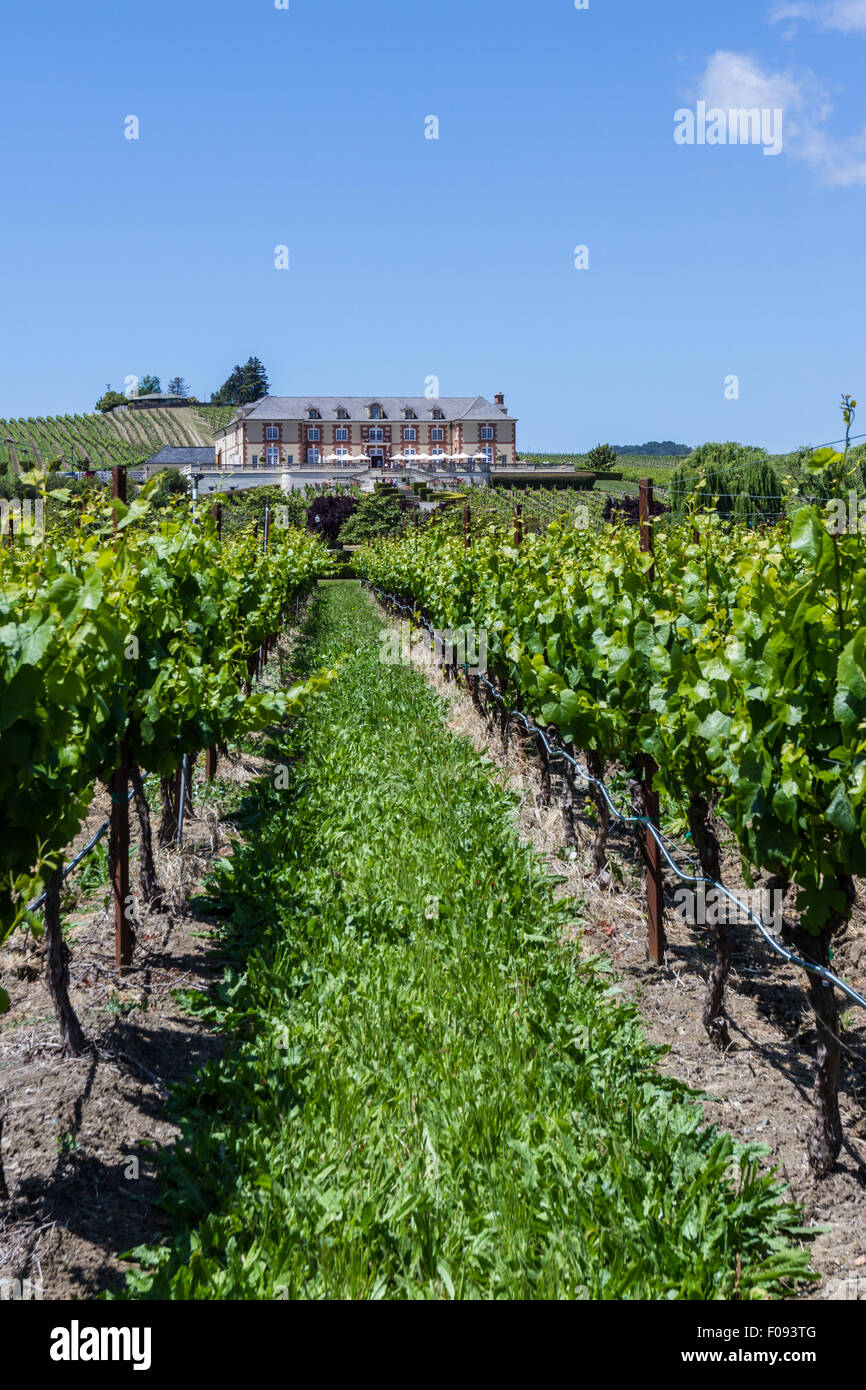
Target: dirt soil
{"points": [[80, 1135], [760, 1088]]}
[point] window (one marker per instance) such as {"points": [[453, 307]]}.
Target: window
{"points": [[410, 453], [486, 431], [342, 433], [437, 433], [488, 455], [342, 453], [409, 414], [272, 432], [377, 436], [342, 414], [410, 432], [313, 414], [255, 460], [437, 415], [314, 432], [375, 412], [437, 452], [314, 456], [273, 458]]}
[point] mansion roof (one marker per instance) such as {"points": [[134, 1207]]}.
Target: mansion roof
{"points": [[453, 408]]}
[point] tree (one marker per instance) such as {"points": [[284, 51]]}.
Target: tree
{"points": [[148, 385], [178, 387], [602, 458], [110, 400], [731, 479], [246, 384]]}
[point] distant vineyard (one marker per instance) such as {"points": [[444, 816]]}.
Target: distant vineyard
{"points": [[122, 437], [216, 416]]}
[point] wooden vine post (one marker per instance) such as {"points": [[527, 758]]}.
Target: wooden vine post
{"points": [[518, 525], [120, 816], [211, 755], [654, 888], [467, 526], [264, 649]]}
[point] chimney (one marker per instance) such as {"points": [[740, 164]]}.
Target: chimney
{"points": [[499, 398]]}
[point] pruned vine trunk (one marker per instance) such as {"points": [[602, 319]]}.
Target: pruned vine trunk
{"points": [[825, 1141], [637, 791], [147, 875], [72, 1040], [706, 842], [4, 1111], [568, 798], [595, 768], [544, 760], [504, 718], [192, 758], [170, 792]]}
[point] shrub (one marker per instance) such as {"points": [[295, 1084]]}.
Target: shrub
{"points": [[327, 514], [376, 516]]}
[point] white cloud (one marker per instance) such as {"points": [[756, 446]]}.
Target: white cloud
{"points": [[848, 16], [735, 80]]}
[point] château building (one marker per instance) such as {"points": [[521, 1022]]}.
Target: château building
{"points": [[389, 432]]}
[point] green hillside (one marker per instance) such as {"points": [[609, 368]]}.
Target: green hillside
{"points": [[120, 437]]}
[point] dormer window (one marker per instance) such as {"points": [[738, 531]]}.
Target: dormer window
{"points": [[376, 412], [438, 415], [313, 414], [409, 414], [342, 414]]}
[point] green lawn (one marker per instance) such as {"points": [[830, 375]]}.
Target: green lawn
{"points": [[425, 1093]]}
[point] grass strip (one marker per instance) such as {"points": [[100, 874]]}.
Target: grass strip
{"points": [[425, 1093]]}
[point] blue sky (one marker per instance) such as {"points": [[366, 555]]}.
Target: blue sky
{"points": [[453, 257]]}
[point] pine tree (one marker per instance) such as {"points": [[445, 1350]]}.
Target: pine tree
{"points": [[246, 384]]}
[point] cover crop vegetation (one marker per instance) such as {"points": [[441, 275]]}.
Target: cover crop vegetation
{"points": [[427, 1091]]}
